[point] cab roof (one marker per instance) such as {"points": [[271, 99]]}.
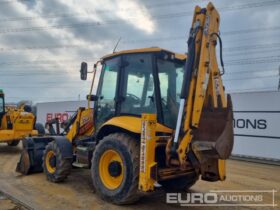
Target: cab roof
{"points": [[145, 50]]}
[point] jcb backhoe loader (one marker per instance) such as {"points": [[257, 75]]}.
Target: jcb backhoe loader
{"points": [[16, 123], [159, 117]]}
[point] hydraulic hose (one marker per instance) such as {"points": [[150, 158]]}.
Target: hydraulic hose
{"points": [[221, 52]]}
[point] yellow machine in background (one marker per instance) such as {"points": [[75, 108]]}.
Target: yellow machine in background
{"points": [[159, 118], [16, 123]]}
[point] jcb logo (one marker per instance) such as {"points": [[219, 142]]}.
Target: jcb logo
{"points": [[85, 120]]}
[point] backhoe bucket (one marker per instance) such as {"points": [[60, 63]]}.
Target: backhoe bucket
{"points": [[214, 137]]}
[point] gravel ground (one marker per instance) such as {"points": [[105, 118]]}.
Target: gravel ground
{"points": [[76, 192], [8, 204]]}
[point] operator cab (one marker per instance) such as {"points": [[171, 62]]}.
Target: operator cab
{"points": [[140, 81]]}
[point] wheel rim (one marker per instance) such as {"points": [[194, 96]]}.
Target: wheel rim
{"points": [[50, 162], [111, 169]]}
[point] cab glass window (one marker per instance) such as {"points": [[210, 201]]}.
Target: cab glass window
{"points": [[170, 78], [107, 90], [138, 85]]}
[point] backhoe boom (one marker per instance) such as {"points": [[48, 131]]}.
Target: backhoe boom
{"points": [[203, 100]]}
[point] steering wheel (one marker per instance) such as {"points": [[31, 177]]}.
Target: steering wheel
{"points": [[133, 98]]}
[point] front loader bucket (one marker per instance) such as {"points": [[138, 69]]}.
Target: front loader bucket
{"points": [[32, 155], [214, 136]]}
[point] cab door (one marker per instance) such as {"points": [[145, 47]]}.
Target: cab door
{"points": [[107, 90], [137, 86]]}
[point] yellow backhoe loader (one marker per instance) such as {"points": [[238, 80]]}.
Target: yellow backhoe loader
{"points": [[17, 123], [159, 118]]}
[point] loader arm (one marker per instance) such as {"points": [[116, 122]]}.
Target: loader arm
{"points": [[81, 125], [204, 125]]}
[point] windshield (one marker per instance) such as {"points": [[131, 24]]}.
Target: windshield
{"points": [[107, 90], [171, 78]]}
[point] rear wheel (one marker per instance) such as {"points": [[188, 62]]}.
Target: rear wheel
{"points": [[13, 143], [180, 184], [115, 168], [55, 167]]}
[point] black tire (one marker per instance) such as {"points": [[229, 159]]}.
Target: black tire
{"points": [[13, 143], [40, 128], [62, 166], [128, 149], [179, 184]]}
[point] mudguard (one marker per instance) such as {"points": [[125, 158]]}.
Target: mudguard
{"points": [[64, 145]]}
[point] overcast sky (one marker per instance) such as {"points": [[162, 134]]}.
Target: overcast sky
{"points": [[42, 42]]}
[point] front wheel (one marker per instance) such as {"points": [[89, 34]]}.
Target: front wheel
{"points": [[55, 167], [115, 168]]}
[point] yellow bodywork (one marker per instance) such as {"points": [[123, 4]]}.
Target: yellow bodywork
{"points": [[222, 169], [148, 165], [17, 124], [83, 125], [133, 124]]}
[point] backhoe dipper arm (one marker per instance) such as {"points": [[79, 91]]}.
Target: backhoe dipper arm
{"points": [[202, 84]]}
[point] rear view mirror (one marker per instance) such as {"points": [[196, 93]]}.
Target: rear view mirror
{"points": [[83, 71]]}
